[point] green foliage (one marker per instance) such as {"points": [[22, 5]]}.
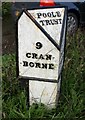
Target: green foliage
{"points": [[71, 102], [6, 6]]}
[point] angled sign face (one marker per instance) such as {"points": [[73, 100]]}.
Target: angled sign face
{"points": [[40, 34], [51, 20]]}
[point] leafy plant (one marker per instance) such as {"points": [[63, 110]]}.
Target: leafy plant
{"points": [[6, 6]]}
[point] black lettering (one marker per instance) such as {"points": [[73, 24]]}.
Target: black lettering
{"points": [[25, 63], [28, 55], [53, 14], [42, 22], [37, 65], [55, 21], [48, 57], [48, 22], [39, 45], [58, 14], [34, 56], [51, 66], [44, 65], [41, 57], [49, 14], [51, 22], [31, 64], [39, 14], [60, 20], [44, 15]]}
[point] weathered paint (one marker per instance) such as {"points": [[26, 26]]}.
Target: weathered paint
{"points": [[28, 36], [44, 92], [54, 29], [39, 58]]}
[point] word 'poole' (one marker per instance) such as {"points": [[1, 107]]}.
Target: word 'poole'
{"points": [[49, 18]]}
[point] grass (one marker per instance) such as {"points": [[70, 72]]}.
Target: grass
{"points": [[72, 97]]}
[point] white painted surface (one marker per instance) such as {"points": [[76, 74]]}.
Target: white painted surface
{"points": [[43, 92], [28, 35], [53, 29]]}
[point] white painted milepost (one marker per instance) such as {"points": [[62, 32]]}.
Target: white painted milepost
{"points": [[41, 40]]}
